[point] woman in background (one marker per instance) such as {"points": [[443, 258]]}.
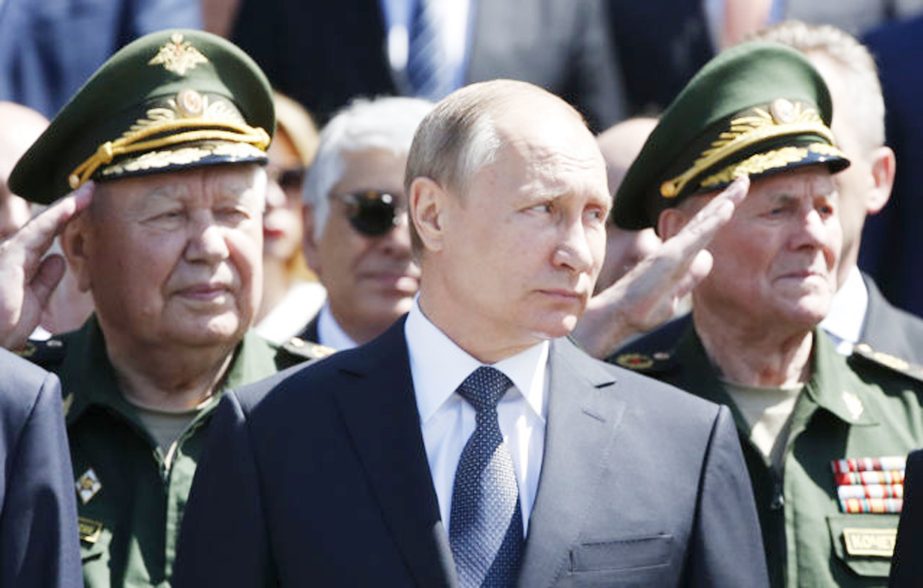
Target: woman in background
{"points": [[291, 293]]}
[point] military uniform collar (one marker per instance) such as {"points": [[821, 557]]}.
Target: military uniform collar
{"points": [[832, 386], [89, 378], [835, 387]]}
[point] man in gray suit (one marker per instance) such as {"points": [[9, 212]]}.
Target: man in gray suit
{"points": [[472, 443]]}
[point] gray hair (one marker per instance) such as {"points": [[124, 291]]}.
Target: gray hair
{"points": [[381, 123], [853, 57]]}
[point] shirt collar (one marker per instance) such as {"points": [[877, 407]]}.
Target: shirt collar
{"points": [[439, 366], [330, 333], [847, 312]]}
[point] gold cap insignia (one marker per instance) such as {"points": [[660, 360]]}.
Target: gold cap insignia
{"points": [[782, 111], [88, 486], [634, 361], [178, 56]]}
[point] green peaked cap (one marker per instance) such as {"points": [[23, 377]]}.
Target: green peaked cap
{"points": [[171, 100], [758, 108]]}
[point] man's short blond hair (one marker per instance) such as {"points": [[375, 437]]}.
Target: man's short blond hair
{"points": [[853, 58], [459, 136]]}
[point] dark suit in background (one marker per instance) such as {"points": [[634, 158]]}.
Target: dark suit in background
{"points": [[325, 53], [890, 244], [38, 512], [907, 565], [660, 45], [889, 329], [320, 477], [49, 48]]}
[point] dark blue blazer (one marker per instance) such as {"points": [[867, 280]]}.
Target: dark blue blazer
{"points": [[319, 477], [38, 513], [907, 565]]}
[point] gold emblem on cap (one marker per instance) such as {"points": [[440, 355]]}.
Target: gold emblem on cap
{"points": [[178, 56], [782, 111], [88, 486], [190, 103]]}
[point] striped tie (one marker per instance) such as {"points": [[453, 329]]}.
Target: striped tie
{"points": [[485, 529], [428, 72]]}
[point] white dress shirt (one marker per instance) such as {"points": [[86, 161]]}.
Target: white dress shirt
{"points": [[438, 367], [847, 313], [330, 333]]}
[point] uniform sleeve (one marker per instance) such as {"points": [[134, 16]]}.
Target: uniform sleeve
{"points": [[39, 545], [223, 539], [906, 567], [727, 546]]}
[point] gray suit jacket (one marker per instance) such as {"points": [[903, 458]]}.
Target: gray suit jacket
{"points": [[319, 477], [38, 513]]}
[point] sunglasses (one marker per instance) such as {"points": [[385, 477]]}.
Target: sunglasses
{"points": [[372, 213]]}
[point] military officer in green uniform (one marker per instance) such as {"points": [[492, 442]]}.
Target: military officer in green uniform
{"points": [[824, 437], [169, 136]]}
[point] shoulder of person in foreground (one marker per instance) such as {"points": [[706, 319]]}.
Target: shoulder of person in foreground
{"points": [[906, 565], [38, 523]]}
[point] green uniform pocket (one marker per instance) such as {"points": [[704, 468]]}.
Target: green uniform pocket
{"points": [[864, 542]]}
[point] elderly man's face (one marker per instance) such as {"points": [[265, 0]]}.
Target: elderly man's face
{"points": [[525, 242], [777, 256], [370, 280], [175, 258]]}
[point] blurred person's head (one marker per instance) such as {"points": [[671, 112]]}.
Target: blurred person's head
{"points": [[20, 126], [356, 238], [290, 155], [858, 123], [620, 144], [509, 202]]}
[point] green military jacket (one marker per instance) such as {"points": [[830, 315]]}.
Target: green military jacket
{"points": [[856, 408], [129, 503]]}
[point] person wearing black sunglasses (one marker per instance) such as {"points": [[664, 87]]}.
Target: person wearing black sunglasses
{"points": [[356, 236]]}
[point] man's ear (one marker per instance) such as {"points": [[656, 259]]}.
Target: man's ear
{"points": [[670, 222], [308, 241], [884, 166], [77, 244], [428, 205]]}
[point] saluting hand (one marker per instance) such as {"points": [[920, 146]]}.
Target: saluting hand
{"points": [[648, 295], [26, 278]]}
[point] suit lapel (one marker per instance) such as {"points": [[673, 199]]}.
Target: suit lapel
{"points": [[380, 412], [583, 415]]}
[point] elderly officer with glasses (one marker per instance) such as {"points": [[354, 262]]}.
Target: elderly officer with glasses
{"points": [[356, 237]]}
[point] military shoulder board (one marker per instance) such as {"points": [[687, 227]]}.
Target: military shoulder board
{"points": [[864, 353], [47, 354]]}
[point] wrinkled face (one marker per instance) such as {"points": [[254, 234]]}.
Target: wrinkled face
{"points": [[525, 242], [282, 221], [370, 280], [175, 258], [775, 261]]}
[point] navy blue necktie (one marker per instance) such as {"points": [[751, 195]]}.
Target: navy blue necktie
{"points": [[485, 529], [428, 71]]}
